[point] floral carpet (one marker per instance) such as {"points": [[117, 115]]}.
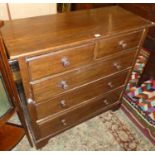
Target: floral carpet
{"points": [[110, 131]]}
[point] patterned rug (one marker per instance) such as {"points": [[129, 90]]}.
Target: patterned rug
{"points": [[142, 98], [139, 102], [110, 131]]}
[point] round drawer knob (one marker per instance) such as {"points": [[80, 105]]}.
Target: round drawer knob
{"points": [[62, 103], [64, 85], [118, 67], [65, 62], [105, 101], [63, 121], [29, 101], [110, 84], [123, 44]]}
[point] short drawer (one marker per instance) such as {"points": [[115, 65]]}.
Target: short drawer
{"points": [[60, 61], [79, 95], [109, 46], [59, 84], [78, 115]]}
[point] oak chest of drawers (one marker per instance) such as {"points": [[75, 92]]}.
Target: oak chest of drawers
{"points": [[73, 66]]}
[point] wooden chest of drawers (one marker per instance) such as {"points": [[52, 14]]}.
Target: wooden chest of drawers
{"points": [[73, 66]]}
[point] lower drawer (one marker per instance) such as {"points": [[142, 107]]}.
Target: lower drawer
{"points": [[75, 116], [79, 95]]}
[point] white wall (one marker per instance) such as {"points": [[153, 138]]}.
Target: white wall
{"points": [[3, 12], [23, 10]]}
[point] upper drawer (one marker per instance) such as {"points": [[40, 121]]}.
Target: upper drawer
{"points": [[64, 82], [109, 46], [48, 64]]}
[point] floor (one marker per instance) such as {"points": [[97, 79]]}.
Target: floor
{"points": [[4, 102], [110, 131]]}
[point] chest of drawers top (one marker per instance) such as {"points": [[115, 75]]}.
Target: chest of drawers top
{"points": [[33, 36]]}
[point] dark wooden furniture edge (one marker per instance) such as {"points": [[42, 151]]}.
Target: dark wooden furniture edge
{"points": [[146, 11], [7, 115], [11, 135], [10, 84], [1, 23]]}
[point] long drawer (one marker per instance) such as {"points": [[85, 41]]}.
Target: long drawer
{"points": [[45, 89], [60, 61], [79, 114], [111, 46], [79, 95]]}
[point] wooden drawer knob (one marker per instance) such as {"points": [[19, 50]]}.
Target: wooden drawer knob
{"points": [[63, 121], [123, 44], [105, 101], [64, 84], [62, 103], [118, 67], [29, 101], [65, 62], [110, 84]]}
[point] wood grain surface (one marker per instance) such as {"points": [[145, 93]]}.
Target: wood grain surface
{"points": [[36, 35]]}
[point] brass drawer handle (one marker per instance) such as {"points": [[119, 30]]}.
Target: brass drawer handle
{"points": [[106, 102], [123, 44], [64, 84], [63, 121], [118, 67], [110, 84], [62, 103], [65, 62]]}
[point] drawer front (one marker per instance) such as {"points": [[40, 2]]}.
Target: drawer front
{"points": [[65, 82], [111, 46], [79, 114], [79, 95], [60, 61]]}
